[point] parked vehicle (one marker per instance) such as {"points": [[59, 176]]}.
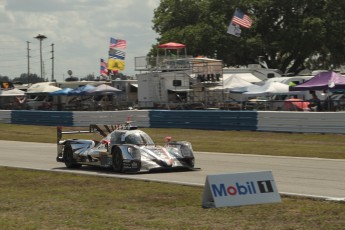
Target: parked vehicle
{"points": [[39, 102]]}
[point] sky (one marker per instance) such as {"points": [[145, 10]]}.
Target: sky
{"points": [[80, 31]]}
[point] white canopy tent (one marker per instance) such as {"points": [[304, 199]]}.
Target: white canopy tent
{"points": [[12, 93], [244, 89], [244, 76], [42, 87], [231, 81], [269, 89]]}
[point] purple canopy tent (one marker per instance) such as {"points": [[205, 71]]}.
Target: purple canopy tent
{"points": [[322, 81]]}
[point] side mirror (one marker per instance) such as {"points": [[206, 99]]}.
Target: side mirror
{"points": [[106, 143], [168, 139]]}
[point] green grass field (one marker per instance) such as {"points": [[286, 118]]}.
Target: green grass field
{"points": [[47, 200], [51, 200]]}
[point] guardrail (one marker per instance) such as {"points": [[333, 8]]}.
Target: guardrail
{"points": [[276, 121]]}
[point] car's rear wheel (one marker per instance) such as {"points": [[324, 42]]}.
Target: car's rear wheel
{"points": [[69, 160], [117, 160]]}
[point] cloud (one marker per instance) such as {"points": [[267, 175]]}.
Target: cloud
{"points": [[80, 31]]}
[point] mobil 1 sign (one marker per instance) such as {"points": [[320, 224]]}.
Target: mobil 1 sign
{"points": [[237, 189]]}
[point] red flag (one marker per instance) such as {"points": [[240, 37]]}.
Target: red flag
{"points": [[104, 67]]}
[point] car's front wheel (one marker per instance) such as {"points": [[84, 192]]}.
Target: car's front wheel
{"points": [[69, 160], [117, 160]]}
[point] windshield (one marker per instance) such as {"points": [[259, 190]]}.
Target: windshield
{"points": [[138, 138]]}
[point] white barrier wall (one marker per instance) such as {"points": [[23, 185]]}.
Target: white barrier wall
{"points": [[275, 121], [5, 116], [304, 122]]}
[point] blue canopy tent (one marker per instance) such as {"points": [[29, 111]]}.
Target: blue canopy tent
{"points": [[61, 92], [82, 90]]}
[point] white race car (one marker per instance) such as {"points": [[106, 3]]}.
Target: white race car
{"points": [[124, 148]]}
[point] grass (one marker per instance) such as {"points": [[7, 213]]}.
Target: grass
{"points": [[47, 200], [50, 200]]}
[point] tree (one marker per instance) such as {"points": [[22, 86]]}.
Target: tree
{"points": [[293, 32], [190, 22], [33, 78], [4, 79], [89, 77], [289, 34]]}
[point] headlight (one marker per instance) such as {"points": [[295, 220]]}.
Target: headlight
{"points": [[186, 151], [134, 152]]}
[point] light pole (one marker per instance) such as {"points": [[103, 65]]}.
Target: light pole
{"points": [[41, 37]]}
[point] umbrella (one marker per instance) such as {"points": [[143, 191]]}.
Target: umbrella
{"points": [[103, 89]]}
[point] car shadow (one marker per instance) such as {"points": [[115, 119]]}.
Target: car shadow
{"points": [[103, 170]]}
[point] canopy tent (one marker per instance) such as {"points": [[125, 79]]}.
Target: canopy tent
{"points": [[173, 46], [61, 92], [42, 87], [12, 93], [245, 76], [271, 88], [103, 89], [244, 89], [230, 82], [82, 90], [322, 81], [291, 81]]}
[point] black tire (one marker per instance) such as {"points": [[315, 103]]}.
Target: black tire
{"points": [[117, 160], [69, 160]]}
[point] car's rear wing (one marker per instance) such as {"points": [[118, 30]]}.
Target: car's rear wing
{"points": [[103, 130], [59, 132]]}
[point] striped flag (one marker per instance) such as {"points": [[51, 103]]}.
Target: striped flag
{"points": [[117, 43], [117, 54], [104, 67], [241, 19]]}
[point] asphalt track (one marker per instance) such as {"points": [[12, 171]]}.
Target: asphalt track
{"points": [[312, 177]]}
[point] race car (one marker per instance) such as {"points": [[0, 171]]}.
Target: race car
{"points": [[124, 148]]}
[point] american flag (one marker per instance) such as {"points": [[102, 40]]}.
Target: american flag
{"points": [[241, 19], [117, 54], [117, 43], [104, 67]]}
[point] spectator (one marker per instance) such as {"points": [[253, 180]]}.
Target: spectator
{"points": [[314, 102]]}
